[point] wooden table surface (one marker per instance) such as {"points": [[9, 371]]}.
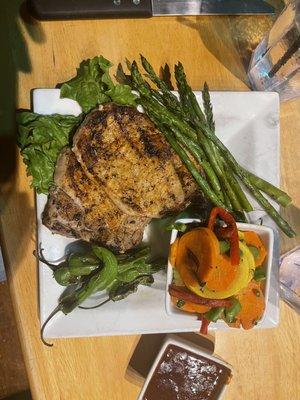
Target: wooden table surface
{"points": [[266, 362]]}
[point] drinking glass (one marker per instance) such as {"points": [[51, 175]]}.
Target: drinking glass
{"points": [[275, 63]]}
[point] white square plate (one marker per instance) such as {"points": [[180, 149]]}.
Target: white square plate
{"points": [[248, 124]]}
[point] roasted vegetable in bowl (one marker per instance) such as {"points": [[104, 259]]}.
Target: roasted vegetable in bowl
{"points": [[219, 272]]}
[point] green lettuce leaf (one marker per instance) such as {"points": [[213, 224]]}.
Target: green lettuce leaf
{"points": [[41, 138], [93, 85]]}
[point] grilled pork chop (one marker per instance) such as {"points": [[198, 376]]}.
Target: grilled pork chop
{"points": [[80, 207], [122, 150], [122, 172]]}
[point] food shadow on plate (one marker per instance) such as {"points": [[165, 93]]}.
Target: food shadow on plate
{"points": [[158, 233], [158, 237], [79, 246]]}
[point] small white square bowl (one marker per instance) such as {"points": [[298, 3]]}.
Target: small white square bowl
{"points": [[177, 341], [266, 235]]}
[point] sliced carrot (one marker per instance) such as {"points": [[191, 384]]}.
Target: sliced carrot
{"points": [[223, 274], [252, 239], [198, 251], [173, 252], [253, 305], [190, 307]]}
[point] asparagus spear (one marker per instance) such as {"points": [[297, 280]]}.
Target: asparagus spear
{"points": [[208, 110], [197, 117], [145, 91], [275, 193], [199, 155], [207, 191], [168, 118], [238, 170], [188, 95], [278, 195], [166, 76], [231, 186], [169, 96], [171, 101]]}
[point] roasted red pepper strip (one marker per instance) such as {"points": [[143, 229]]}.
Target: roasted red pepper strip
{"points": [[229, 232], [183, 293], [204, 324]]}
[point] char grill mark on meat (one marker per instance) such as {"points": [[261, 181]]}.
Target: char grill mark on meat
{"points": [[61, 215], [79, 207], [122, 172], [126, 154]]}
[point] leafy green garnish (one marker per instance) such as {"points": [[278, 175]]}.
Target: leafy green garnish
{"points": [[41, 138], [93, 85]]}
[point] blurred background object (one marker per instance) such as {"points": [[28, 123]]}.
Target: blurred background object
{"points": [[275, 63], [77, 9], [290, 278]]}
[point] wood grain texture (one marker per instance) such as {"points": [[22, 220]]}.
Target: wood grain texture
{"points": [[13, 377], [266, 363]]}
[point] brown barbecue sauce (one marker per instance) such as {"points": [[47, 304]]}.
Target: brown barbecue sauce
{"points": [[183, 375]]}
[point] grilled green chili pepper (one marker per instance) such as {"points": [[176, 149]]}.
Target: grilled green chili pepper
{"points": [[137, 265], [121, 290], [232, 311], [120, 275], [63, 276], [96, 283], [82, 264], [72, 268], [78, 265]]}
